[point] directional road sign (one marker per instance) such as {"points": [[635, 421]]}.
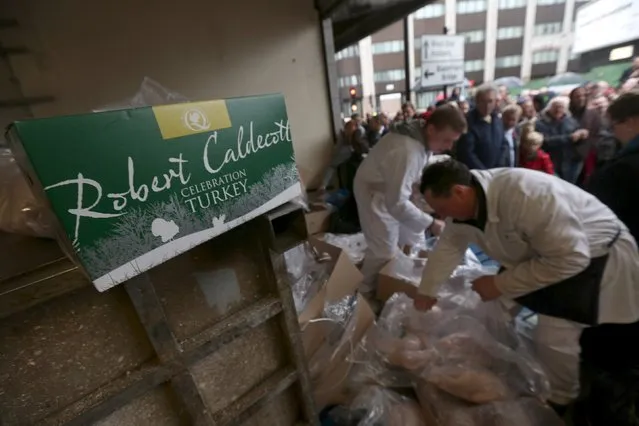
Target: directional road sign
{"points": [[442, 60]]}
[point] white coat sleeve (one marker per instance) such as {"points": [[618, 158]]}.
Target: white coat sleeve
{"points": [[555, 235], [442, 261], [400, 171]]}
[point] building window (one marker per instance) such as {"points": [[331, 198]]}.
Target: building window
{"points": [[548, 28], [471, 6], [508, 61], [387, 47], [425, 99], [510, 32], [545, 56], [431, 11], [389, 75], [349, 52], [474, 36], [348, 81], [512, 4], [549, 2], [624, 52], [476, 65]]}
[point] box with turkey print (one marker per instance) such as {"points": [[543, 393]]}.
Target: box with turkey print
{"points": [[134, 188]]}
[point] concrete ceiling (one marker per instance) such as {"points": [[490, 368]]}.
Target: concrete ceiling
{"points": [[355, 19]]}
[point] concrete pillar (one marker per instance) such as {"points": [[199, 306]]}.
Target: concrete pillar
{"points": [[450, 17], [492, 14], [369, 101], [529, 33], [566, 37]]}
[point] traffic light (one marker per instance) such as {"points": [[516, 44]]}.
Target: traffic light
{"points": [[353, 93]]}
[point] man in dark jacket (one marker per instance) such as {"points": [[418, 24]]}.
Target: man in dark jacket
{"points": [[616, 183], [484, 146]]}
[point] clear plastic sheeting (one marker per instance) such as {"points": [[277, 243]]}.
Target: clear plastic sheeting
{"points": [[406, 268], [20, 212], [308, 270], [150, 93], [376, 406], [337, 318], [353, 245], [467, 350], [442, 409]]}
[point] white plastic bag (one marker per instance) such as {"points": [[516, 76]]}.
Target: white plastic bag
{"points": [[20, 212], [150, 93]]}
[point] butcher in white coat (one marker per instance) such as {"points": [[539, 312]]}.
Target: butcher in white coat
{"points": [[564, 255], [384, 183]]}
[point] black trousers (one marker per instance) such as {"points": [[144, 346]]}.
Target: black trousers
{"points": [[609, 376]]}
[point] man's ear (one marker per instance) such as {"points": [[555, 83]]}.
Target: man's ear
{"points": [[458, 190]]}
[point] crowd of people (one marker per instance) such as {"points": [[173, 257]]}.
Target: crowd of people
{"points": [[546, 186]]}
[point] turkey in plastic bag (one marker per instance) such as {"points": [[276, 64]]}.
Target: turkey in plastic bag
{"points": [[476, 354], [442, 409], [375, 406], [464, 346], [20, 212]]}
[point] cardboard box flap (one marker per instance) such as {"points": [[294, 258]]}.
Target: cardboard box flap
{"points": [[344, 279], [331, 384], [400, 275]]}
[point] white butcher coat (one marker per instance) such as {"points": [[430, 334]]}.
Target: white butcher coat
{"points": [[543, 230], [383, 186]]}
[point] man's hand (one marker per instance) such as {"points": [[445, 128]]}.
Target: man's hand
{"points": [[437, 227], [579, 135], [486, 288], [424, 303]]}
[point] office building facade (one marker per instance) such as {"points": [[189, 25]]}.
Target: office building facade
{"points": [[523, 38]]}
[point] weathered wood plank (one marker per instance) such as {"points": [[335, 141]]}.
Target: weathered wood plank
{"points": [[213, 338], [149, 309], [250, 403]]}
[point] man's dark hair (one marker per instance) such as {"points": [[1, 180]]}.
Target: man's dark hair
{"points": [[624, 107], [540, 100], [440, 178], [408, 105], [448, 116]]}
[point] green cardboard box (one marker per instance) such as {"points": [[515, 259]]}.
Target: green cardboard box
{"points": [[134, 188]]}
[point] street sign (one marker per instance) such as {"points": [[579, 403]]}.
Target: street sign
{"points": [[442, 60]]}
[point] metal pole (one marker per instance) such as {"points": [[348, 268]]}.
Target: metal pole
{"points": [[445, 87], [407, 73]]}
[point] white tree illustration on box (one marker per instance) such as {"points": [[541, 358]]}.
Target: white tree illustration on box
{"points": [[132, 234]]}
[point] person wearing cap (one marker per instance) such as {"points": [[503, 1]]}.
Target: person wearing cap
{"points": [[564, 255]]}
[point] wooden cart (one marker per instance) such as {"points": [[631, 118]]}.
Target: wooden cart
{"points": [[207, 338]]}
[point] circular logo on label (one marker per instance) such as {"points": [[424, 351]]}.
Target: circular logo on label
{"points": [[195, 120]]}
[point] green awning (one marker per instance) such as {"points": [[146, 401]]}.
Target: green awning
{"points": [[609, 73]]}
